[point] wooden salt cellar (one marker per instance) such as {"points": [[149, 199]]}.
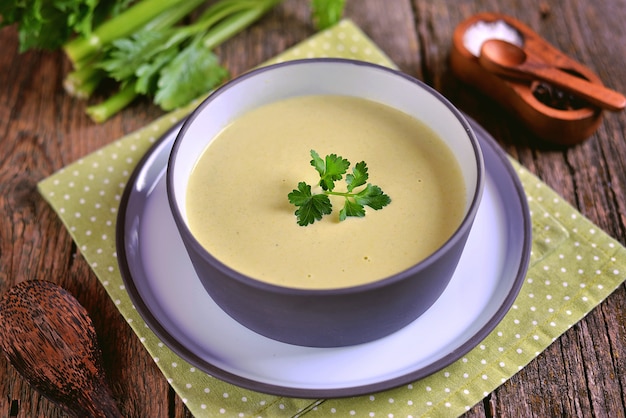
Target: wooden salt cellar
{"points": [[563, 127]]}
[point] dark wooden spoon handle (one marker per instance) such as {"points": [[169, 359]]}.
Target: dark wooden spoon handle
{"points": [[49, 338]]}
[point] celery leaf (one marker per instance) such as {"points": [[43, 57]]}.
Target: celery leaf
{"points": [[326, 12], [193, 72]]}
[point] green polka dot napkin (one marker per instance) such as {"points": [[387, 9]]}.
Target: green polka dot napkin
{"points": [[574, 266]]}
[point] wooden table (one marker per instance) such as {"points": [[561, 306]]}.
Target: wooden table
{"points": [[43, 129]]}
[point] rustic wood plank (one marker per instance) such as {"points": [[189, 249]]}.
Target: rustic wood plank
{"points": [[42, 129]]}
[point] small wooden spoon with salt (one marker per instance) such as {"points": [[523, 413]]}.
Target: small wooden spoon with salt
{"points": [[49, 338]]}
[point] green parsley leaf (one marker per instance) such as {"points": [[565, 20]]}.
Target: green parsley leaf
{"points": [[331, 169], [358, 177], [373, 197], [312, 207], [351, 208]]}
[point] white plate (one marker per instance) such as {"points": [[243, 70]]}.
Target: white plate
{"points": [[167, 293]]}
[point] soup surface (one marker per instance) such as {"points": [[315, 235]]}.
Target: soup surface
{"points": [[238, 209]]}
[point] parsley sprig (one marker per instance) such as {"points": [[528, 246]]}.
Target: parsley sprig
{"points": [[312, 207]]}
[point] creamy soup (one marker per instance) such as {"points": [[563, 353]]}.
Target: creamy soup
{"points": [[238, 209]]}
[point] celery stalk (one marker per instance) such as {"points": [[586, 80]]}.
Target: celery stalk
{"points": [[82, 49], [103, 111], [83, 81], [236, 23]]}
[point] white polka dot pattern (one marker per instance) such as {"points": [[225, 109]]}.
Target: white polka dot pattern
{"points": [[574, 266]]}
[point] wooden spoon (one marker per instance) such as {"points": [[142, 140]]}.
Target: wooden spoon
{"points": [[504, 58], [49, 338]]}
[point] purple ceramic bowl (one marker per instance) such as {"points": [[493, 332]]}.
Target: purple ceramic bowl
{"points": [[327, 317]]}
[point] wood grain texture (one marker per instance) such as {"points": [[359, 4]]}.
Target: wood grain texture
{"points": [[42, 129], [50, 340]]}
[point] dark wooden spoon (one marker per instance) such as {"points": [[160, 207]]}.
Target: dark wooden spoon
{"points": [[504, 58], [49, 338]]}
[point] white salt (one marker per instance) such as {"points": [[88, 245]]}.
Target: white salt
{"points": [[482, 31]]}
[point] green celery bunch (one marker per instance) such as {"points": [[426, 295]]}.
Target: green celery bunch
{"points": [[171, 63], [148, 47]]}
